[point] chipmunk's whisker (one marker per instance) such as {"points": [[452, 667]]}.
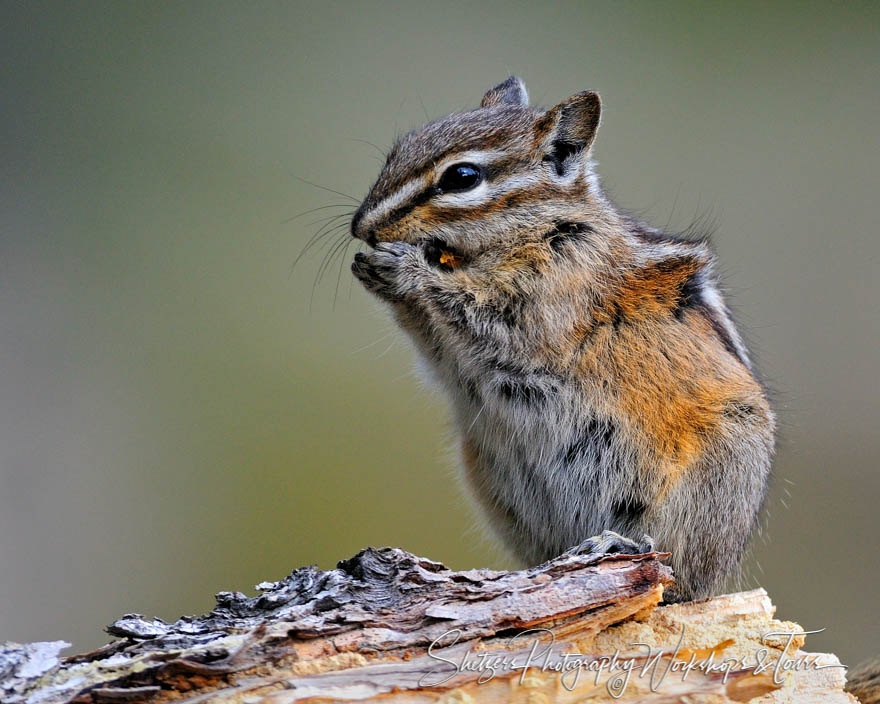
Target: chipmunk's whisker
{"points": [[314, 210], [367, 346], [332, 224], [332, 239], [334, 250], [382, 153], [330, 190], [342, 260], [336, 234], [331, 218], [360, 248]]}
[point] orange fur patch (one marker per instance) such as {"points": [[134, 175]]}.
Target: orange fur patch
{"points": [[649, 291], [672, 382]]}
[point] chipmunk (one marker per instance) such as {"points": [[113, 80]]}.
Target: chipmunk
{"points": [[597, 381]]}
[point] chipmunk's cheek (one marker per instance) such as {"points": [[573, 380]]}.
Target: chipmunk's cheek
{"points": [[397, 234], [402, 230]]}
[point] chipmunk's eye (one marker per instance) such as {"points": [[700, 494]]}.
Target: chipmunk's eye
{"points": [[460, 177]]}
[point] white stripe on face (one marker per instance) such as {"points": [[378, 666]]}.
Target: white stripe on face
{"points": [[396, 199], [415, 186]]}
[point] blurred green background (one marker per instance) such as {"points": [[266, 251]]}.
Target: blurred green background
{"points": [[176, 418]]}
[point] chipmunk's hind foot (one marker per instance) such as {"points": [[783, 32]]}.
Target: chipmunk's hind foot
{"points": [[609, 542]]}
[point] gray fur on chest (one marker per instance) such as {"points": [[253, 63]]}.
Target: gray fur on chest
{"points": [[555, 469]]}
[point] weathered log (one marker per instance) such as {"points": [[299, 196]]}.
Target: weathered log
{"points": [[863, 681], [389, 624]]}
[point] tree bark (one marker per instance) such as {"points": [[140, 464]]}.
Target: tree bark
{"points": [[387, 624]]}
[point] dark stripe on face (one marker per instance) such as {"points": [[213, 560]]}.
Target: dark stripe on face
{"points": [[537, 193], [491, 172], [421, 149], [401, 211], [508, 166]]}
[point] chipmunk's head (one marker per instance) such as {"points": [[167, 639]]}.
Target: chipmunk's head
{"points": [[480, 178]]}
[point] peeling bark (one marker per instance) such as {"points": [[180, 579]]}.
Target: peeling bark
{"points": [[389, 624]]}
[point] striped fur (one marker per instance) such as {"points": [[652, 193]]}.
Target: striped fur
{"points": [[595, 375]]}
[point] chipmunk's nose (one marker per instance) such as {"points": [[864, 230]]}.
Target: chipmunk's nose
{"points": [[359, 232], [356, 221]]}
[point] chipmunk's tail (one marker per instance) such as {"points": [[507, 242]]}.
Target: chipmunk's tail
{"points": [[863, 681]]}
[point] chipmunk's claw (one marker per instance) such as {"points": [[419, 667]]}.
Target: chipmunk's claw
{"points": [[382, 270], [609, 542]]}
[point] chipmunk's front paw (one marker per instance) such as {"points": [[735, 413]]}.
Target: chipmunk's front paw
{"points": [[610, 542], [389, 270]]}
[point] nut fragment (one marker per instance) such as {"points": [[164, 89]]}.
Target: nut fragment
{"points": [[449, 259]]}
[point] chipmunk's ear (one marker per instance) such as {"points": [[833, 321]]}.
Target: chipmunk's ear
{"points": [[510, 92], [567, 131]]}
